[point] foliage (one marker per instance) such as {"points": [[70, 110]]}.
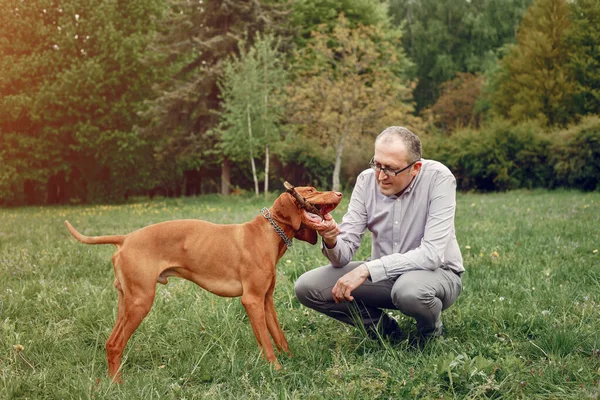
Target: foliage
{"points": [[308, 15], [346, 83], [72, 83], [445, 37], [534, 81], [582, 39], [500, 156], [457, 105], [576, 155], [525, 326], [196, 40], [250, 93]]}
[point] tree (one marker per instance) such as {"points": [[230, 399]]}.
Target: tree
{"points": [[444, 37], [582, 39], [533, 81], [197, 39], [307, 15], [250, 104], [347, 83], [457, 105], [73, 80]]}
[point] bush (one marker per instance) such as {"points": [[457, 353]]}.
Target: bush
{"points": [[501, 156], [576, 155]]}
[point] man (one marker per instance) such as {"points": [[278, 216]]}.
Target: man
{"points": [[408, 204]]}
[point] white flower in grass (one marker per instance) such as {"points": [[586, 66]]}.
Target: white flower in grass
{"points": [[545, 312], [501, 298]]}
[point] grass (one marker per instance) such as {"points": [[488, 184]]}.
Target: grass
{"points": [[525, 326]]}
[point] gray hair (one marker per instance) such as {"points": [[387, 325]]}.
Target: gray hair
{"points": [[409, 139]]}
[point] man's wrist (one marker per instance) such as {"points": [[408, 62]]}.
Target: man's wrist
{"points": [[330, 244]]}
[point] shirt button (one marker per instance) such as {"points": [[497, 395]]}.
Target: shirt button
{"points": [[395, 243]]}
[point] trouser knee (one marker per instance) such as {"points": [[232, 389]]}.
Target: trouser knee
{"points": [[302, 289], [413, 301]]}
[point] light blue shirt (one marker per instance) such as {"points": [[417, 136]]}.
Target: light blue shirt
{"points": [[409, 232]]}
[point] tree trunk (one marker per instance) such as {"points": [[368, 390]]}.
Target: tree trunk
{"points": [[225, 177], [254, 176], [339, 151], [266, 170]]}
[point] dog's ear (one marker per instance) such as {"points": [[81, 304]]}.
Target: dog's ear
{"points": [[287, 212], [307, 234]]}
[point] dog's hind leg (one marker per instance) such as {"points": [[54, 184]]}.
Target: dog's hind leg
{"points": [[132, 309]]}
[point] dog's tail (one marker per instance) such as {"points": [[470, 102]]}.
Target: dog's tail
{"points": [[114, 239]]}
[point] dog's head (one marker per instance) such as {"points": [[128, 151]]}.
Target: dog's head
{"points": [[304, 208]]}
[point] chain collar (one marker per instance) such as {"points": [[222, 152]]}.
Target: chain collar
{"points": [[280, 232]]}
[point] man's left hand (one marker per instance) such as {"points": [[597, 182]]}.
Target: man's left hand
{"points": [[342, 291]]}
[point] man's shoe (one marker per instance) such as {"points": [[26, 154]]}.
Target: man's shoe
{"points": [[419, 341], [387, 328]]}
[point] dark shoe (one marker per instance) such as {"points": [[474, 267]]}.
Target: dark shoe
{"points": [[418, 341], [387, 328]]}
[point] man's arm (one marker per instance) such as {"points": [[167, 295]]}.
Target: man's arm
{"points": [[341, 242]]}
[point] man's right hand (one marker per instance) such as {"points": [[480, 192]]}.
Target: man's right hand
{"points": [[329, 231]]}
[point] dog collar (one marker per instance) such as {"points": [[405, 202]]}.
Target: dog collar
{"points": [[280, 232]]}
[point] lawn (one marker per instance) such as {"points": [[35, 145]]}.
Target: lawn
{"points": [[526, 325]]}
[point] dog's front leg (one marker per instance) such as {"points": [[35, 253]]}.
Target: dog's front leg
{"points": [[255, 307], [273, 324]]}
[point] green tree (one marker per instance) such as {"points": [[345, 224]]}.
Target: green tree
{"points": [[308, 15], [444, 37], [73, 80], [251, 108], [347, 83], [534, 81], [197, 39], [583, 39]]}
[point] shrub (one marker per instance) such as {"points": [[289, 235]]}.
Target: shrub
{"points": [[501, 156], [576, 155]]}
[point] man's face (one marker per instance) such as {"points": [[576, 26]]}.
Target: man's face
{"points": [[391, 153]]}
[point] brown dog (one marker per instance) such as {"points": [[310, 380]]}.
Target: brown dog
{"points": [[227, 260]]}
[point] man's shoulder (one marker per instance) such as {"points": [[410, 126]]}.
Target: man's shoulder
{"points": [[433, 167], [366, 176]]}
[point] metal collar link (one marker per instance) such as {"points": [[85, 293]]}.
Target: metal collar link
{"points": [[280, 232]]}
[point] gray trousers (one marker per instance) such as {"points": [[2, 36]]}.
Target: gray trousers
{"points": [[421, 295]]}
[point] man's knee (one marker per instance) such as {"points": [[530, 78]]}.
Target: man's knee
{"points": [[303, 289], [411, 299]]}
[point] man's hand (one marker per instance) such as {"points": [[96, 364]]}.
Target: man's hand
{"points": [[328, 229], [342, 291]]}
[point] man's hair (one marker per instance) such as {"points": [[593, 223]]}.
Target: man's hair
{"points": [[410, 140]]}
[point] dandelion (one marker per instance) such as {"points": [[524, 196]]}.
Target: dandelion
{"points": [[595, 251], [18, 347], [468, 247], [495, 254]]}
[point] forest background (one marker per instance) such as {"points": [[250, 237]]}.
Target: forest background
{"points": [[104, 100]]}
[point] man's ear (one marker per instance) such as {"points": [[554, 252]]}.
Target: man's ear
{"points": [[307, 234]]}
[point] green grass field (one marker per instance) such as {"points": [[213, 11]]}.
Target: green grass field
{"points": [[526, 325]]}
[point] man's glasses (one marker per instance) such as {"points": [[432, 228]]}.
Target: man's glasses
{"points": [[388, 171]]}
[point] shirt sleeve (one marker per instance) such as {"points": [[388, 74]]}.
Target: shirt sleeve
{"points": [[438, 231], [352, 228]]}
